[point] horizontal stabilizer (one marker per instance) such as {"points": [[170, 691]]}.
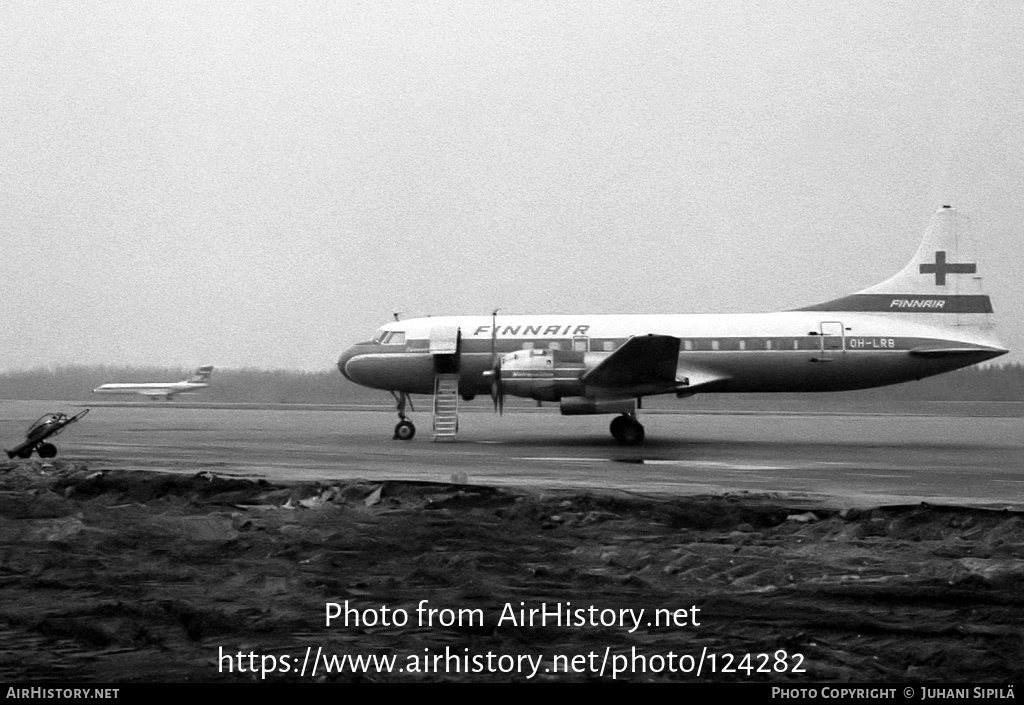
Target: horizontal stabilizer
{"points": [[957, 351]]}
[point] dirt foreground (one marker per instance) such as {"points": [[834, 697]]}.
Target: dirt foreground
{"points": [[129, 576]]}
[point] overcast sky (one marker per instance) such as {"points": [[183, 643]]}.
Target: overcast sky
{"points": [[263, 183]]}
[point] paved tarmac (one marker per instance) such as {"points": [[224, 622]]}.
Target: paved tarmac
{"points": [[830, 459]]}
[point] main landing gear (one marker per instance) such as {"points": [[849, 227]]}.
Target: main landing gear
{"points": [[404, 430], [627, 430]]}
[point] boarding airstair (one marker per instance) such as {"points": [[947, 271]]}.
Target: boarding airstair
{"points": [[446, 406], [445, 342]]}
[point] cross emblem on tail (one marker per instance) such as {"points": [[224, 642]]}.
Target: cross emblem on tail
{"points": [[940, 268]]}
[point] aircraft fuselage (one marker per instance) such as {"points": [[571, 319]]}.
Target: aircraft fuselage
{"points": [[149, 388], [794, 351]]}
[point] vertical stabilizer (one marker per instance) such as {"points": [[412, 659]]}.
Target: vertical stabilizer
{"points": [[946, 263], [943, 277], [201, 376]]}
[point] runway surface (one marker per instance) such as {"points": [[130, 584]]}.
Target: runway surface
{"points": [[836, 460]]}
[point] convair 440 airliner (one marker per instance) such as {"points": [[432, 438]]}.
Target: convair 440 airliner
{"points": [[931, 317], [200, 379]]}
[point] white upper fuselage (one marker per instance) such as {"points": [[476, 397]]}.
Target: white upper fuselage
{"points": [[555, 327]]}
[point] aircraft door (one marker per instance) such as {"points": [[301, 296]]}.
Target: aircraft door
{"points": [[833, 340], [446, 348]]}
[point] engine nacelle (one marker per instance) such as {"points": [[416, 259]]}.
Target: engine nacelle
{"points": [[579, 406], [544, 375]]}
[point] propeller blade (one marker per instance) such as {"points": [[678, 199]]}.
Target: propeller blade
{"points": [[497, 388], [500, 388], [497, 393]]}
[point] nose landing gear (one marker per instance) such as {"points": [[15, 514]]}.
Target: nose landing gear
{"points": [[627, 430], [404, 430]]}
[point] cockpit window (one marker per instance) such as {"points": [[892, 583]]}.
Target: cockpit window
{"points": [[393, 337], [379, 335]]}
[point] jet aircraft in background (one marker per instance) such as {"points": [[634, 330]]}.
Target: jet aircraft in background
{"points": [[161, 390], [931, 317]]}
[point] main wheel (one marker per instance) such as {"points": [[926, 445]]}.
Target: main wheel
{"points": [[404, 431], [632, 433], [46, 450], [617, 425]]}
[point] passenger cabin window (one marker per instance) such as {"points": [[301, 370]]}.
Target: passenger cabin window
{"points": [[555, 345], [688, 345], [715, 345], [528, 345], [608, 345], [743, 345]]}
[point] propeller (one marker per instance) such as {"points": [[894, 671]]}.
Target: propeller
{"points": [[497, 393]]}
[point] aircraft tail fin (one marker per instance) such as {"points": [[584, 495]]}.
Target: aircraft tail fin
{"points": [[941, 278], [202, 375]]}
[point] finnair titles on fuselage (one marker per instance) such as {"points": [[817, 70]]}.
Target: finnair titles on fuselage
{"points": [[931, 317], [534, 330]]}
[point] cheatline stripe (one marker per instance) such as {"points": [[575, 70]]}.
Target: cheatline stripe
{"points": [[906, 303]]}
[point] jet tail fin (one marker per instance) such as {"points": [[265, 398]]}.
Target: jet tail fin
{"points": [[202, 375], [942, 277]]}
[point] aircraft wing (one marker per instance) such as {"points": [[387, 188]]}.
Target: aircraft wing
{"points": [[156, 392], [647, 364], [648, 360]]}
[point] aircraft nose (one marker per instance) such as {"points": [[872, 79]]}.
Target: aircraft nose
{"points": [[345, 364], [343, 360]]}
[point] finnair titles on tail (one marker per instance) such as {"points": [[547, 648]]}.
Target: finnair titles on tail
{"points": [[200, 379], [931, 317]]}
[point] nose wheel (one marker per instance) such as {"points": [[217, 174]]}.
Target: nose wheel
{"points": [[627, 430], [404, 430]]}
